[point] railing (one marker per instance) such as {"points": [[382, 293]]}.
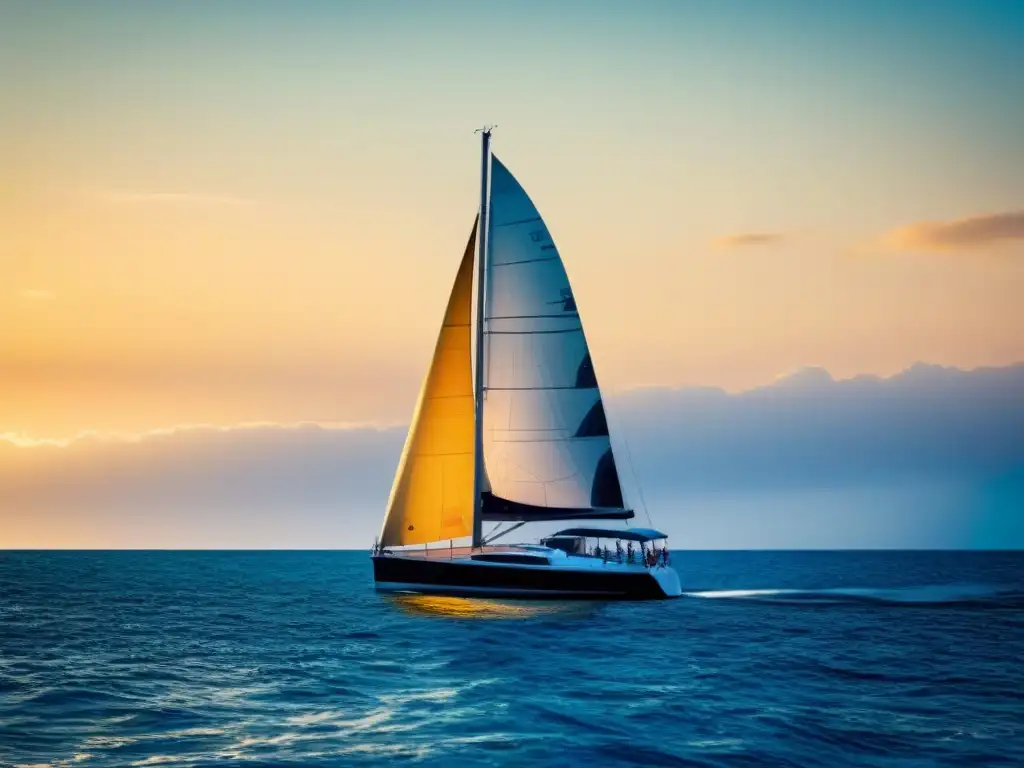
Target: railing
{"points": [[450, 553]]}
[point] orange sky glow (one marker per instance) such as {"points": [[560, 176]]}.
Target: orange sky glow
{"points": [[258, 219]]}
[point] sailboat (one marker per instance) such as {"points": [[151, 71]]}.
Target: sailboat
{"points": [[518, 437]]}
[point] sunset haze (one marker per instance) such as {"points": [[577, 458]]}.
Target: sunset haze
{"points": [[221, 214]]}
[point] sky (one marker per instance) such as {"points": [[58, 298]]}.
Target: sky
{"points": [[237, 212], [930, 458]]}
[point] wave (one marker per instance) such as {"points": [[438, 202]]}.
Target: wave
{"points": [[962, 595]]}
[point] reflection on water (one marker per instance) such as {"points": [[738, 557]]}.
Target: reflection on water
{"points": [[477, 608]]}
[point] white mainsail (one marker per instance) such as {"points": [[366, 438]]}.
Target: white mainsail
{"points": [[547, 450], [432, 494]]}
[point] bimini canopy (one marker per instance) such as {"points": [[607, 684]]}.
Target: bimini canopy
{"points": [[627, 534]]}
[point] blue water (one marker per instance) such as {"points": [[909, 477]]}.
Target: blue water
{"points": [[290, 658]]}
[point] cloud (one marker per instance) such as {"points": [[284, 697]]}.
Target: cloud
{"points": [[809, 430], [750, 239], [805, 375], [37, 294], [793, 463], [955, 235], [298, 485], [22, 440]]}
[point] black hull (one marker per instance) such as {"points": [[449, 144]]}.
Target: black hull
{"points": [[465, 578]]}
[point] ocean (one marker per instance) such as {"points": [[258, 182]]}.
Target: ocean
{"points": [[183, 658]]}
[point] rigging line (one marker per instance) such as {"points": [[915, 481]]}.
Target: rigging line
{"points": [[494, 536], [632, 469], [639, 488]]}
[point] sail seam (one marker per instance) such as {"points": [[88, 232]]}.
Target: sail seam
{"points": [[514, 223], [538, 429], [566, 439], [566, 315], [525, 261], [531, 389], [532, 333]]}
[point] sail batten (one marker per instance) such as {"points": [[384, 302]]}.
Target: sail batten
{"points": [[547, 451]]}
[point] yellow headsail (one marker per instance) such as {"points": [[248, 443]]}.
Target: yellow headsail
{"points": [[432, 495]]}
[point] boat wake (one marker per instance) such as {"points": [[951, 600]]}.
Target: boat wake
{"points": [[934, 595]]}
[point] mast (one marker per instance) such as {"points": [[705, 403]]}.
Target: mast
{"points": [[483, 239]]}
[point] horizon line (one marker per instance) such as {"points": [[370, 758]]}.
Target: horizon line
{"points": [[367, 549]]}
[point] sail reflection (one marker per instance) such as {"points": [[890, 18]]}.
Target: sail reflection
{"points": [[477, 608]]}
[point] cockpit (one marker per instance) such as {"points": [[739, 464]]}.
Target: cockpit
{"points": [[571, 545], [574, 542]]}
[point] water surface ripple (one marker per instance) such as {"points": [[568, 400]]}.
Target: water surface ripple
{"points": [[291, 659]]}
